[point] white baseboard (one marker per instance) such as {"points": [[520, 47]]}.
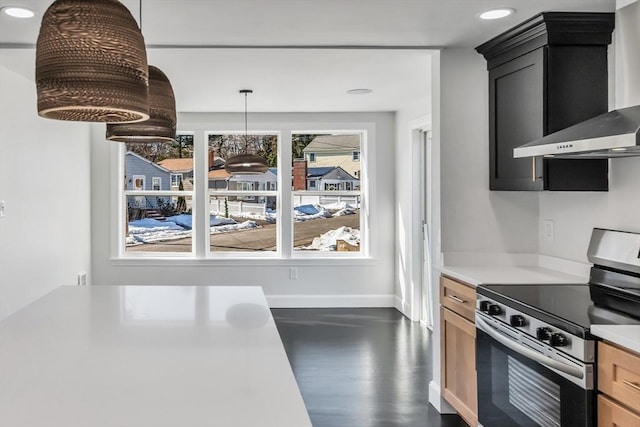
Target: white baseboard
{"points": [[328, 301], [436, 400], [405, 308]]}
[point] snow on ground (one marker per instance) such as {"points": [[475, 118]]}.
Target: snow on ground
{"points": [[338, 206], [151, 230], [308, 212], [268, 216], [179, 226], [247, 225], [327, 241]]}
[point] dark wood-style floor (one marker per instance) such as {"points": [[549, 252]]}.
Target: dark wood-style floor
{"points": [[366, 367]]}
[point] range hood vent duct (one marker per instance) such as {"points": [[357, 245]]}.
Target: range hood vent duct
{"points": [[612, 134]]}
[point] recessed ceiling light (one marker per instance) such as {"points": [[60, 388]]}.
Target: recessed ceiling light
{"points": [[497, 13], [362, 91], [18, 12]]}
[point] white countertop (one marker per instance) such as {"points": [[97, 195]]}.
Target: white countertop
{"points": [[477, 275], [147, 356], [500, 268], [627, 336]]}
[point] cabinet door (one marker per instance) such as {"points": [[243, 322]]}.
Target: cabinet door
{"points": [[516, 104], [611, 414], [458, 354], [619, 375]]}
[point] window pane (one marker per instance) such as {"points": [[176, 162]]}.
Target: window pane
{"points": [[328, 167], [325, 223], [239, 222], [158, 224], [243, 224], [222, 147]]}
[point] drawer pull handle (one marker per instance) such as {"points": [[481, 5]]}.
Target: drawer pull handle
{"points": [[634, 386], [456, 299]]}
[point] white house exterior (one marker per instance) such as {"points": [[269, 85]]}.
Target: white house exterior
{"points": [[335, 150]]}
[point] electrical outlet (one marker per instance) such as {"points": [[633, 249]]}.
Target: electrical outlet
{"points": [[547, 226], [82, 278], [293, 273]]}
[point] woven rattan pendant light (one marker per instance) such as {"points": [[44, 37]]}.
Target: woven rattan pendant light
{"points": [[246, 163], [91, 63], [161, 125]]}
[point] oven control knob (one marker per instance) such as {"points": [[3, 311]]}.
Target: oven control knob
{"points": [[517, 320], [543, 333], [557, 340], [484, 306], [494, 309]]}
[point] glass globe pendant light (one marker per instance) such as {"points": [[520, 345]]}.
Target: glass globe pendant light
{"points": [[91, 63], [246, 163]]}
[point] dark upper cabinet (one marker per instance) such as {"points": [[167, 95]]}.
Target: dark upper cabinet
{"points": [[546, 74]]}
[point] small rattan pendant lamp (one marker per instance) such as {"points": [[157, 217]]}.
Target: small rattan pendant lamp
{"points": [[91, 63], [246, 163], [161, 126]]}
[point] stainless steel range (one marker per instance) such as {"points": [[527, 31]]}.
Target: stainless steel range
{"points": [[536, 357]]}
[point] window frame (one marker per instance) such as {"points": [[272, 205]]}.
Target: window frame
{"points": [[284, 129], [180, 177]]}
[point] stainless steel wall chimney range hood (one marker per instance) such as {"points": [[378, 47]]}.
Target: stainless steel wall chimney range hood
{"points": [[612, 134]]}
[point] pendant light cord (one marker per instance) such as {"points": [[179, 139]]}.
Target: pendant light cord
{"points": [[246, 132]]}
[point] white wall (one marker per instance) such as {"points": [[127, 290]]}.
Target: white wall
{"points": [[320, 283], [475, 219], [44, 182], [575, 214]]}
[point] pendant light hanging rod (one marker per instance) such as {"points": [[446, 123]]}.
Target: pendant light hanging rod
{"points": [[246, 163], [246, 128]]}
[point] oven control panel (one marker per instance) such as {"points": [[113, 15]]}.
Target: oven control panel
{"points": [[579, 348]]}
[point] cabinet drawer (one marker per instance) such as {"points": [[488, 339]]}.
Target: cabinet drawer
{"points": [[619, 375], [458, 297], [610, 414]]}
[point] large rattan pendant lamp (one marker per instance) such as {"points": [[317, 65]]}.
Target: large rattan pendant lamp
{"points": [[91, 63], [161, 126], [246, 163]]}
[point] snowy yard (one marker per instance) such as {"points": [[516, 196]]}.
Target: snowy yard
{"points": [[179, 227]]}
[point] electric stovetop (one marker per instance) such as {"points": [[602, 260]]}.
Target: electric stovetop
{"points": [[568, 307]]}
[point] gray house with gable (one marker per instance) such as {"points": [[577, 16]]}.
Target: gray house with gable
{"points": [[143, 175]]}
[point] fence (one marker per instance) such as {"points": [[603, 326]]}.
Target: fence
{"points": [[217, 206], [299, 199]]}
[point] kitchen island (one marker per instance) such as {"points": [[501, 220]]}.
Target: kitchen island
{"points": [[147, 356]]}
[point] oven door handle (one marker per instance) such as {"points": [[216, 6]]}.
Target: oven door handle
{"points": [[527, 352]]}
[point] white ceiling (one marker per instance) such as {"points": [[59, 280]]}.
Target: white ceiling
{"points": [[297, 55]]}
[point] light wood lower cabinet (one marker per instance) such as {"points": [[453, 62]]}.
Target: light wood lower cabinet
{"points": [[619, 383], [458, 348]]}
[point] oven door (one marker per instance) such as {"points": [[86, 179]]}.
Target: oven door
{"points": [[521, 386]]}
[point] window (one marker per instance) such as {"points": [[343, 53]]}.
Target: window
{"points": [[241, 214], [355, 156], [157, 219], [312, 157], [329, 220], [176, 180]]}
